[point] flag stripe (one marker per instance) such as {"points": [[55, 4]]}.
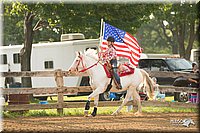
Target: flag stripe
{"points": [[132, 38], [131, 43], [124, 50], [123, 46]]}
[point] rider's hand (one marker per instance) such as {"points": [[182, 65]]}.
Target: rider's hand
{"points": [[103, 60]]}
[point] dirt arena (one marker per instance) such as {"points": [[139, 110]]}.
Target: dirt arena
{"points": [[126, 122]]}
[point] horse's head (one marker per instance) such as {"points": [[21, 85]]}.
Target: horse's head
{"points": [[77, 63], [89, 57]]}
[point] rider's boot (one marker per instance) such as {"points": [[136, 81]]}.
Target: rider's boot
{"points": [[117, 78]]}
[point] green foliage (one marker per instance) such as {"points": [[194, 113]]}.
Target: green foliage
{"points": [[62, 18], [68, 18], [85, 18], [152, 39], [180, 28], [170, 30]]}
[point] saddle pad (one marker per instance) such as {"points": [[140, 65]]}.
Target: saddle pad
{"points": [[123, 70]]}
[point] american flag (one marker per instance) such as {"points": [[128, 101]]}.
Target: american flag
{"points": [[125, 44]]}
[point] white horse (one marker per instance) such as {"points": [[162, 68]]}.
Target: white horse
{"points": [[99, 81]]}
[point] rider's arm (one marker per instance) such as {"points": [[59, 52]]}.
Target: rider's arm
{"points": [[108, 55], [112, 54]]}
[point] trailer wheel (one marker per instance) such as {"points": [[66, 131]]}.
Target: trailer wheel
{"points": [[104, 97], [181, 96]]}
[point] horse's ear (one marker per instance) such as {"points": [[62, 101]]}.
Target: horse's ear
{"points": [[80, 52], [77, 53], [85, 51]]}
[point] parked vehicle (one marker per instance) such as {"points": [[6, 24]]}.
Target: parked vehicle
{"points": [[170, 64], [165, 64]]}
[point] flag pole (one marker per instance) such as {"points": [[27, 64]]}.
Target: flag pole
{"points": [[101, 33]]}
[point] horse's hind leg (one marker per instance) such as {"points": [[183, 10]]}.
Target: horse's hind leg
{"points": [[126, 99], [136, 97]]}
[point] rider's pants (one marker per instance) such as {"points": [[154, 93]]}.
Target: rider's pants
{"points": [[113, 62]]}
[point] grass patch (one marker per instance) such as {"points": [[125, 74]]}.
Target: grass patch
{"points": [[47, 112], [169, 110], [9, 114], [101, 110]]}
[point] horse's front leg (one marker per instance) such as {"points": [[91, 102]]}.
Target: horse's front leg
{"points": [[96, 100], [95, 95], [87, 107]]}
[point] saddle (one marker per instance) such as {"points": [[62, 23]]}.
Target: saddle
{"points": [[122, 70]]}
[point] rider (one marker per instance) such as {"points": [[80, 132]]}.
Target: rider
{"points": [[111, 56]]}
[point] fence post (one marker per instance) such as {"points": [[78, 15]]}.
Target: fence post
{"points": [[60, 83]]}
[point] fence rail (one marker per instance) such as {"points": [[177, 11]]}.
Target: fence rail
{"points": [[67, 74], [69, 90], [60, 90]]}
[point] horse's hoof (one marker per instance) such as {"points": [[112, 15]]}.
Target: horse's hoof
{"points": [[114, 114], [138, 114], [91, 115], [86, 113]]}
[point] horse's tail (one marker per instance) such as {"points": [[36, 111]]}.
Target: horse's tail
{"points": [[148, 84]]}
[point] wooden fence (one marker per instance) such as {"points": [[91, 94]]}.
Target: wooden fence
{"points": [[60, 90]]}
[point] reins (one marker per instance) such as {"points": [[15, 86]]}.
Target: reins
{"points": [[85, 69]]}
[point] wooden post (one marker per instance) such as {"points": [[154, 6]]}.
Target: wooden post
{"points": [[60, 83]]}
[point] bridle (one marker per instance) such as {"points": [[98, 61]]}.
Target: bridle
{"points": [[84, 67], [80, 61]]}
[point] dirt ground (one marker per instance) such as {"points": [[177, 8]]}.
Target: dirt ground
{"points": [[126, 122]]}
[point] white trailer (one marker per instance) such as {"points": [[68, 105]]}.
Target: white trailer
{"points": [[47, 57]]}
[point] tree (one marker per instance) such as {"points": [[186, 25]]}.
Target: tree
{"points": [[179, 23], [152, 38], [68, 18], [25, 53], [86, 18], [12, 26], [14, 15]]}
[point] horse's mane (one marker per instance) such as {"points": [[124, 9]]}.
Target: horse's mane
{"points": [[92, 53]]}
